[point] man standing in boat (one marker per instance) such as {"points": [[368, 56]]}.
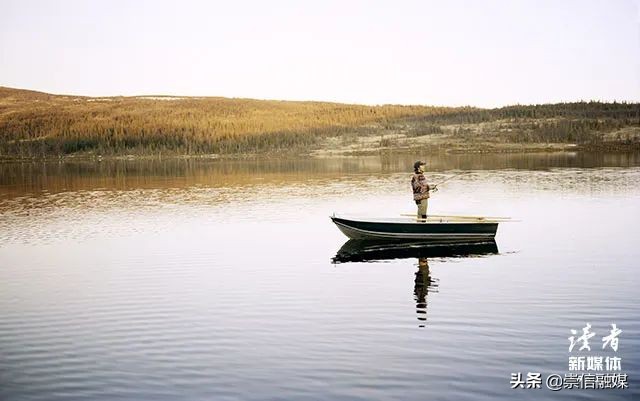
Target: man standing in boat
{"points": [[420, 189]]}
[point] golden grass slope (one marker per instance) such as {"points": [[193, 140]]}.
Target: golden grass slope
{"points": [[36, 124], [39, 124]]}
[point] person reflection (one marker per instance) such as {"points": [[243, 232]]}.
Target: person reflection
{"points": [[423, 284]]}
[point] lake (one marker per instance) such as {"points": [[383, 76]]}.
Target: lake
{"points": [[201, 279]]}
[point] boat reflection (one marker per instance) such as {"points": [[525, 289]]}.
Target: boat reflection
{"points": [[372, 251]]}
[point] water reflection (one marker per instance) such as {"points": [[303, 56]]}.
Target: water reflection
{"points": [[423, 284], [373, 251], [18, 178]]}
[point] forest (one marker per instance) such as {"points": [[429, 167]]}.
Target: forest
{"points": [[35, 124]]}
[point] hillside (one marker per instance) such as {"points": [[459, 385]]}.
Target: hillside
{"points": [[35, 124]]}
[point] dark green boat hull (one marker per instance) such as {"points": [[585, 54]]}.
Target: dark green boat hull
{"points": [[356, 229]]}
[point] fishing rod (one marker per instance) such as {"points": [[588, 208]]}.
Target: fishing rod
{"points": [[435, 186]]}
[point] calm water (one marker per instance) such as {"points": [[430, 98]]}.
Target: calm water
{"points": [[225, 280]]}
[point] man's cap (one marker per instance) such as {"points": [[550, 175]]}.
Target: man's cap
{"points": [[418, 164]]}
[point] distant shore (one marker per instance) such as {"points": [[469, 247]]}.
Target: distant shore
{"points": [[35, 125]]}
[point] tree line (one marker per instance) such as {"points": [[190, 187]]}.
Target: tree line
{"points": [[34, 124]]}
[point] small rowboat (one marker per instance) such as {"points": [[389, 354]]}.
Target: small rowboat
{"points": [[451, 228]]}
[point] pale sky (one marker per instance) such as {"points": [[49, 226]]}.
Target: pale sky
{"points": [[481, 53]]}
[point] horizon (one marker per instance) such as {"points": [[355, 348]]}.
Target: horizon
{"points": [[177, 96], [486, 54]]}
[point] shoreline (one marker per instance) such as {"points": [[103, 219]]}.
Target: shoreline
{"points": [[349, 152]]}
